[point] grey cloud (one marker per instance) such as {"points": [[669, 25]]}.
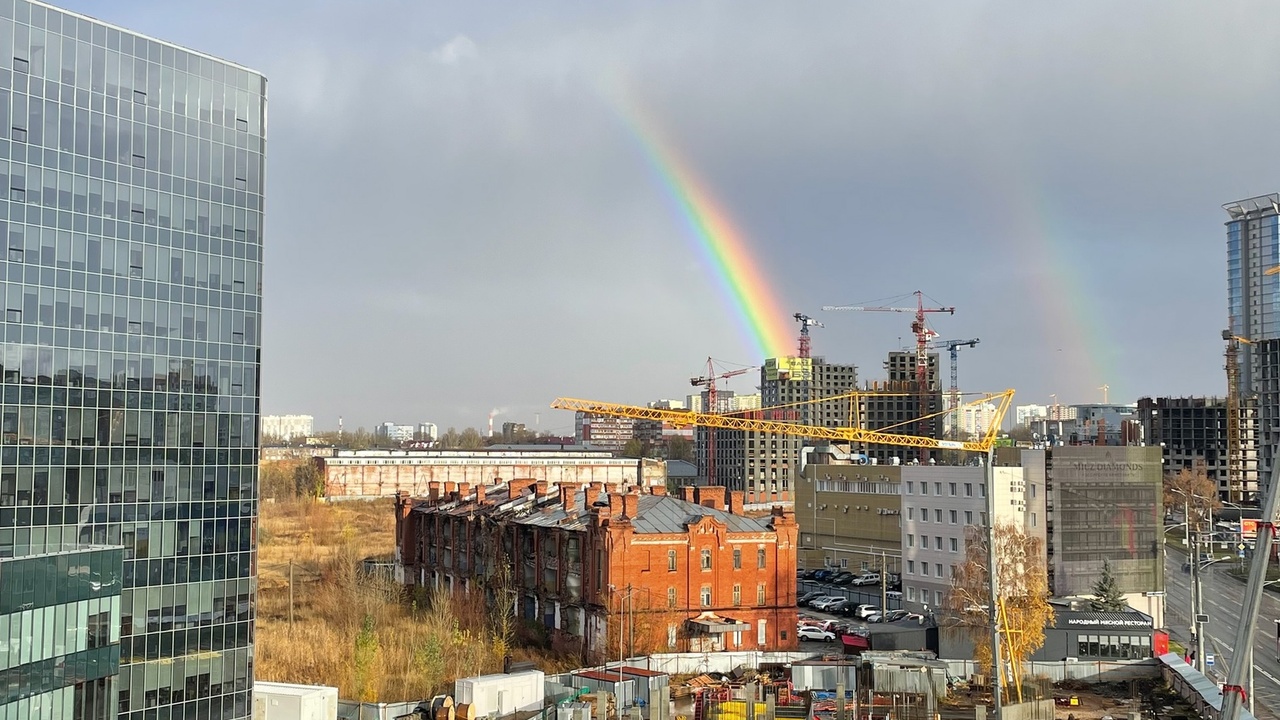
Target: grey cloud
{"points": [[458, 219]]}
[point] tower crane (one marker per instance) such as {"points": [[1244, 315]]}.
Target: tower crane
{"points": [[709, 381], [1235, 450], [806, 322], [923, 335], [953, 347]]}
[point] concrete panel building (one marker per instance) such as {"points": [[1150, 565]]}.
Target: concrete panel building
{"points": [[901, 404], [383, 473], [850, 517], [603, 432], [1193, 430]]}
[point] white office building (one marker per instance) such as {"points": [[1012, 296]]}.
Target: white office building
{"points": [[287, 427]]}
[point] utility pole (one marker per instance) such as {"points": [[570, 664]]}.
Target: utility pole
{"points": [[989, 475], [884, 586], [1233, 695], [290, 593]]}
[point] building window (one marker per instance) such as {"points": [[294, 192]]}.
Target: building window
{"points": [[761, 557], [671, 561], [911, 567], [844, 562], [955, 545], [952, 489], [911, 593], [671, 636], [706, 559], [937, 543], [760, 630], [911, 513], [938, 568], [968, 517], [671, 597], [1033, 490], [982, 489], [911, 540], [953, 517], [737, 595], [706, 596], [760, 594], [937, 488], [924, 514], [924, 488], [937, 598], [1033, 520], [937, 514], [910, 487], [737, 559], [968, 489]]}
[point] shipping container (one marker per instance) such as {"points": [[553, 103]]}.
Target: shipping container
{"points": [[284, 701], [501, 694]]}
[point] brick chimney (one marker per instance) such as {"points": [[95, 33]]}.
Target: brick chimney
{"points": [[480, 494], [403, 537], [449, 489], [737, 499], [657, 489], [711, 496], [540, 488], [615, 504], [464, 489], [567, 496], [517, 486], [433, 492], [688, 493], [631, 505]]}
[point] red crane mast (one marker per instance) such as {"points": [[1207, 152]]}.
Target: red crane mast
{"points": [[709, 381]]}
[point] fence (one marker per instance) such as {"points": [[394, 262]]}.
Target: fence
{"points": [[718, 662], [352, 710], [1203, 693], [1097, 671], [1032, 710]]}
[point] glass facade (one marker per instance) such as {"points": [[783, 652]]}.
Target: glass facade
{"points": [[131, 204], [60, 634]]}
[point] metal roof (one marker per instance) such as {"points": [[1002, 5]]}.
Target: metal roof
{"points": [[665, 514]]}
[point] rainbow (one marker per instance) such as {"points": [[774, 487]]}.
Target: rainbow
{"points": [[722, 246]]}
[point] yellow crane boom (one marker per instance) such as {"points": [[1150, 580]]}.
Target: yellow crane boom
{"points": [[742, 421]]}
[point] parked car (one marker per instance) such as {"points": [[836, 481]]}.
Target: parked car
{"points": [[808, 632], [842, 578], [862, 612], [822, 575], [824, 603], [886, 617], [804, 599], [836, 607], [870, 578], [893, 595]]}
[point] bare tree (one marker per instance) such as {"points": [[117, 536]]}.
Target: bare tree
{"points": [[1191, 488], [502, 610], [1023, 610]]}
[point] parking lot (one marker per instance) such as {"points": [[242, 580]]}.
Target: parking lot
{"points": [[856, 595]]}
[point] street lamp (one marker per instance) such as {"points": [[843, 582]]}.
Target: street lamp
{"points": [[1198, 618]]}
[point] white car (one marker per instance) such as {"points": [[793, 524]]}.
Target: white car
{"points": [[824, 603], [809, 632], [870, 578], [862, 612]]}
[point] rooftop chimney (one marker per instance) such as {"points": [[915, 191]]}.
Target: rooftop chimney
{"points": [[517, 486], [464, 489], [615, 504], [657, 489], [567, 496], [540, 488], [433, 492], [688, 493], [736, 501], [631, 505], [480, 494], [711, 496]]}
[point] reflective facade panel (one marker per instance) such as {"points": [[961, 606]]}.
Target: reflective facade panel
{"points": [[131, 203]]}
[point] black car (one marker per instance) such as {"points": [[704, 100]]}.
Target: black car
{"points": [[803, 600], [841, 578]]}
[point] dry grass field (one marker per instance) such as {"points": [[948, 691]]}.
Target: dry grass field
{"points": [[352, 631]]}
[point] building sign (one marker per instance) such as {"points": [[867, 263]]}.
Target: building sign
{"points": [[788, 368], [1109, 622], [1249, 529]]}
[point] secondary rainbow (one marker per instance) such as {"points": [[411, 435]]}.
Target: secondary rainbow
{"points": [[722, 246]]}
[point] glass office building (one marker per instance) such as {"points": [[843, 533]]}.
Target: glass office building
{"points": [[131, 211], [1253, 311]]}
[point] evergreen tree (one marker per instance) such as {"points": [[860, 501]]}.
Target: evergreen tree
{"points": [[1107, 593]]}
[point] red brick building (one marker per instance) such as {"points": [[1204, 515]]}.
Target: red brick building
{"points": [[591, 563]]}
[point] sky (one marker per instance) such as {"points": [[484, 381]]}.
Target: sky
{"points": [[463, 214]]}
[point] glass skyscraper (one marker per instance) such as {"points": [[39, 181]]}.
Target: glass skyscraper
{"points": [[1253, 311], [131, 203]]}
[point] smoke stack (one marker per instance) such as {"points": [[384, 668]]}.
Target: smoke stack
{"points": [[490, 424]]}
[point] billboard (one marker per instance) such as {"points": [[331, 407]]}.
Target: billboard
{"points": [[788, 368], [1249, 529], [1106, 507]]}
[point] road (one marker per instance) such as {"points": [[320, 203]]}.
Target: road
{"points": [[1223, 596]]}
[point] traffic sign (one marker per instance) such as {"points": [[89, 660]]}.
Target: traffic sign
{"points": [[1240, 546], [1208, 659]]}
